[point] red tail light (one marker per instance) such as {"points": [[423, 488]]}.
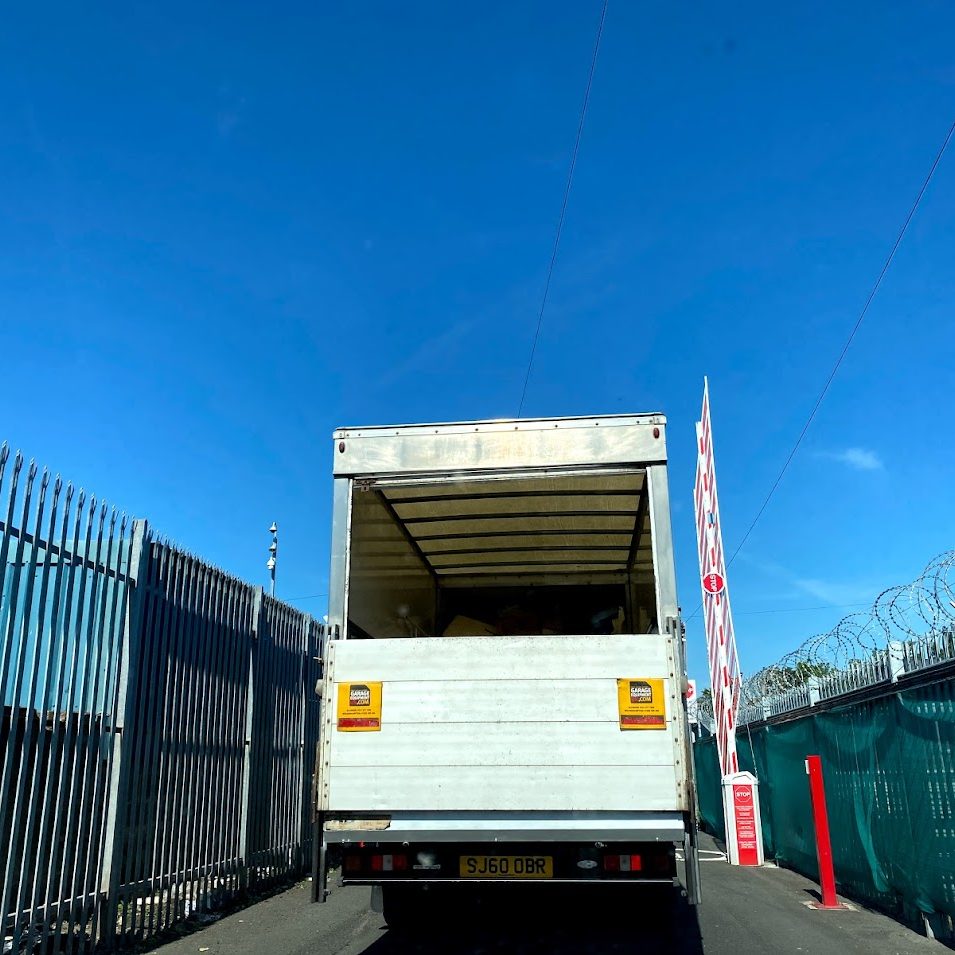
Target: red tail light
{"points": [[624, 863]]}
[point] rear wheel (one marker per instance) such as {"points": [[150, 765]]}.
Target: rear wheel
{"points": [[402, 907]]}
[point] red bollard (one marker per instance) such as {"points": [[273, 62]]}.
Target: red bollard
{"points": [[827, 878]]}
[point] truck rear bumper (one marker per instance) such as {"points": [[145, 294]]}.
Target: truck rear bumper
{"points": [[506, 827]]}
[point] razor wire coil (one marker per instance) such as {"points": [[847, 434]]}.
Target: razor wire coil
{"points": [[909, 627]]}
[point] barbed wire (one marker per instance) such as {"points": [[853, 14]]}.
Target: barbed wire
{"points": [[917, 619]]}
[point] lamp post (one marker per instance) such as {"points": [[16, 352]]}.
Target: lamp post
{"points": [[273, 551]]}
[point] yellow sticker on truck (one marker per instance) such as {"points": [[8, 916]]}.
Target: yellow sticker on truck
{"points": [[641, 703], [359, 707]]}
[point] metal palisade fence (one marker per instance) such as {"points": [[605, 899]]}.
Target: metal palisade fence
{"points": [[158, 729]]}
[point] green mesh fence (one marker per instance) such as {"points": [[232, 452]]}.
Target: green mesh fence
{"points": [[708, 786], [889, 767]]}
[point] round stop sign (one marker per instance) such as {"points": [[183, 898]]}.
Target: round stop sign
{"points": [[713, 583]]}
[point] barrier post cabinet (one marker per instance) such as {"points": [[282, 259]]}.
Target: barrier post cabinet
{"points": [[744, 834]]}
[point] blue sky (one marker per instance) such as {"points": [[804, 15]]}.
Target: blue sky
{"points": [[226, 231]]}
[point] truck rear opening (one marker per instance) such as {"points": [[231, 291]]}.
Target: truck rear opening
{"points": [[504, 685], [525, 555]]}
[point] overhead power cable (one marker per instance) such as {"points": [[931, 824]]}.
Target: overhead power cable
{"points": [[563, 206], [845, 348], [750, 613]]}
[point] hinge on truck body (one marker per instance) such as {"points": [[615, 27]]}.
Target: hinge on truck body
{"points": [[364, 484]]}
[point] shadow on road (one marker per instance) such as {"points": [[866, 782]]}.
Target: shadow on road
{"points": [[557, 921]]}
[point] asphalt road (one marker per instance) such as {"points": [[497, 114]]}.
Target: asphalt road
{"points": [[744, 911]]}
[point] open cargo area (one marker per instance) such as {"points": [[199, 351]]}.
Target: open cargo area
{"points": [[563, 554]]}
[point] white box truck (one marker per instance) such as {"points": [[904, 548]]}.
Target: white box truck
{"points": [[504, 676]]}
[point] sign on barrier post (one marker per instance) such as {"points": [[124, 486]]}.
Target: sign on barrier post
{"points": [[692, 703], [744, 833]]}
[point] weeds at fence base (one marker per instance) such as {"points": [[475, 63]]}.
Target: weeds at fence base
{"points": [[194, 919]]}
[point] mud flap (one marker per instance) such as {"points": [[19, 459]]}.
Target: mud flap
{"points": [[691, 854], [319, 861]]}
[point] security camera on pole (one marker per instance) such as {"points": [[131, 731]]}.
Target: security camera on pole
{"points": [[740, 789], [273, 552]]}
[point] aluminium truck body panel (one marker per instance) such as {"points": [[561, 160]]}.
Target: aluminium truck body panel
{"points": [[490, 724]]}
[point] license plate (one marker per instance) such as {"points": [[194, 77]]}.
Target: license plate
{"points": [[507, 867]]}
